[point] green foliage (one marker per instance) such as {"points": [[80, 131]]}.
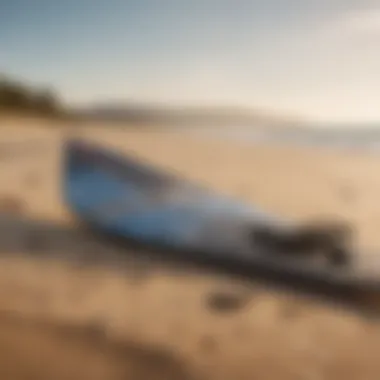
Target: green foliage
{"points": [[19, 97]]}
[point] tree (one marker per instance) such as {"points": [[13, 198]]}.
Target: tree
{"points": [[16, 96]]}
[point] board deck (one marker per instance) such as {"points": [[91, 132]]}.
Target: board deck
{"points": [[124, 197]]}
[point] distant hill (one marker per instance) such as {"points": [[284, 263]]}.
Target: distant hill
{"points": [[192, 116], [20, 97]]}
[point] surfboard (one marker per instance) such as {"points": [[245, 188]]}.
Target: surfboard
{"points": [[123, 196]]}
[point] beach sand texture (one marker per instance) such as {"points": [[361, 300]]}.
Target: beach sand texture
{"points": [[66, 314]]}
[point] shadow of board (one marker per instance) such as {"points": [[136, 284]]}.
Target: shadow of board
{"points": [[86, 245]]}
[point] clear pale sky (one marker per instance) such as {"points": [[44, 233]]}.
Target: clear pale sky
{"points": [[317, 58]]}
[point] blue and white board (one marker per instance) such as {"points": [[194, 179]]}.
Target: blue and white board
{"points": [[124, 197]]}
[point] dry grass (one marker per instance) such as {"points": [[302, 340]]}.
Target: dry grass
{"points": [[150, 316]]}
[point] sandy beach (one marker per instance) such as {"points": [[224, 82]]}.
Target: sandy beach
{"points": [[94, 320]]}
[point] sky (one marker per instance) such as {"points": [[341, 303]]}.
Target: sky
{"points": [[318, 59]]}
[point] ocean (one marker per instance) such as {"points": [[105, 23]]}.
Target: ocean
{"points": [[365, 138]]}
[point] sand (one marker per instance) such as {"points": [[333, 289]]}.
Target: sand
{"points": [[67, 314]]}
